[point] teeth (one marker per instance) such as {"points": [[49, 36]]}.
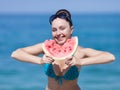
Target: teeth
{"points": [[62, 35]]}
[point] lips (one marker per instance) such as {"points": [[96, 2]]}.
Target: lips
{"points": [[60, 39]]}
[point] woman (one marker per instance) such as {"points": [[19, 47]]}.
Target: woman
{"points": [[62, 75]]}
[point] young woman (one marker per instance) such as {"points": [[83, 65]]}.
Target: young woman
{"points": [[62, 75]]}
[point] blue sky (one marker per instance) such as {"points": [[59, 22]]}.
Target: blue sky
{"points": [[46, 6]]}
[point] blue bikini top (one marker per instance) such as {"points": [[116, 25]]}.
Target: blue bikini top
{"points": [[71, 74]]}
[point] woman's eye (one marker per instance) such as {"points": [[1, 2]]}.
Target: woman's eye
{"points": [[62, 28], [53, 30]]}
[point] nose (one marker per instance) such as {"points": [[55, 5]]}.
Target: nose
{"points": [[58, 32]]}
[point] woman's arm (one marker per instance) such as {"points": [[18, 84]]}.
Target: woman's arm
{"points": [[29, 54], [95, 57], [88, 56]]}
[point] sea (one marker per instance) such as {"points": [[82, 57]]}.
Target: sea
{"points": [[97, 31]]}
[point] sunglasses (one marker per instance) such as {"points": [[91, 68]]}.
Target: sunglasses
{"points": [[62, 15]]}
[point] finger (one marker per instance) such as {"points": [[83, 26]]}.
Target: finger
{"points": [[47, 60], [67, 62], [71, 64], [50, 60], [48, 56], [68, 59]]}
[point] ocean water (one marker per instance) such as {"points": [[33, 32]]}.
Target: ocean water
{"points": [[98, 31]]}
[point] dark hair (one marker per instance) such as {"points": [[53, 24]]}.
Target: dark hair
{"points": [[62, 13]]}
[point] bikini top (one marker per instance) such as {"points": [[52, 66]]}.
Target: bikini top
{"points": [[71, 74]]}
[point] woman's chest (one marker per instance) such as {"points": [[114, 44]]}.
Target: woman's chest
{"points": [[60, 67]]}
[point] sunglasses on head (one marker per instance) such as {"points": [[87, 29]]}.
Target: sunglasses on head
{"points": [[62, 15]]}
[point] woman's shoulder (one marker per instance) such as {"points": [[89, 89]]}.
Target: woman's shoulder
{"points": [[79, 52], [83, 50]]}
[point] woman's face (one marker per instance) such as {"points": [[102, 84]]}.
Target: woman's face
{"points": [[61, 30]]}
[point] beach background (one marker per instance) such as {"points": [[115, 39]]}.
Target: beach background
{"points": [[95, 29]]}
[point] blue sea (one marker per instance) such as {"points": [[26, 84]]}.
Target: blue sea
{"points": [[98, 31]]}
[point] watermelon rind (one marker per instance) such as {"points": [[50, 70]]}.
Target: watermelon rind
{"points": [[61, 58]]}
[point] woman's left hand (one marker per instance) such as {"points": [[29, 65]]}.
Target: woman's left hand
{"points": [[71, 61]]}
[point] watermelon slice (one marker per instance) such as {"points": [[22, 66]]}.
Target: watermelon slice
{"points": [[58, 52]]}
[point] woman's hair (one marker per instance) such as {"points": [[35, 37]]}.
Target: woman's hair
{"points": [[63, 14]]}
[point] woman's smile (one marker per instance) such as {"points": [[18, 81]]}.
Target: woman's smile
{"points": [[60, 39], [61, 30]]}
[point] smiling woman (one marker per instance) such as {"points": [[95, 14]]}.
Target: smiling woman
{"points": [[62, 74]]}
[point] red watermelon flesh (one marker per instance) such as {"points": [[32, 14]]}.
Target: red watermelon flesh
{"points": [[58, 52]]}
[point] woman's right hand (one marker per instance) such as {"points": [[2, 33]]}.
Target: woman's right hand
{"points": [[47, 59]]}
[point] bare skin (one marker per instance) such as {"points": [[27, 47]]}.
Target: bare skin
{"points": [[67, 85], [61, 31], [84, 57]]}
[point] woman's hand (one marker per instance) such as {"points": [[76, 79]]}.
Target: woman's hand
{"points": [[47, 59], [71, 61]]}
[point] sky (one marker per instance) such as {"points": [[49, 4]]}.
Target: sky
{"points": [[46, 6]]}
